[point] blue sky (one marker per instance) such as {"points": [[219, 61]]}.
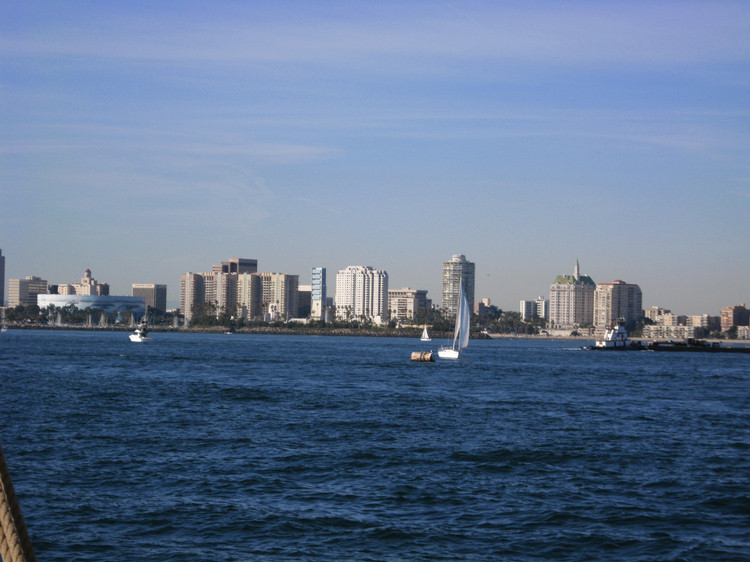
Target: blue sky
{"points": [[143, 140]]}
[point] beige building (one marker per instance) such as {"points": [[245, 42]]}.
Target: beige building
{"points": [[24, 291], [571, 300], [669, 332], [249, 296], [408, 304], [279, 299], [192, 293], [617, 300], [87, 286]]}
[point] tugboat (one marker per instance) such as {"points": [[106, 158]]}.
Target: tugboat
{"points": [[616, 338]]}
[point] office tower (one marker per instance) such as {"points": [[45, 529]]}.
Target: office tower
{"points": [[408, 304], [2, 279], [318, 293], [280, 298], [617, 300], [237, 265], [25, 291], [571, 300], [362, 294], [249, 296], [154, 295], [455, 270]]}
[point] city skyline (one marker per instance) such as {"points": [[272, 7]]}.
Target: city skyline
{"points": [[247, 265], [144, 141]]}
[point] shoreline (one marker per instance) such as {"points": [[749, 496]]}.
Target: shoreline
{"points": [[333, 332]]}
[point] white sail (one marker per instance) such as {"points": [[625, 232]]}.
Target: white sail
{"points": [[462, 326], [461, 331], [425, 335]]}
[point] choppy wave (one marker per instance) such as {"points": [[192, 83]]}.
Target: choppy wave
{"points": [[292, 448]]}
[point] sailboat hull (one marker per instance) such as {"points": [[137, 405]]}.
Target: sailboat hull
{"points": [[448, 353]]}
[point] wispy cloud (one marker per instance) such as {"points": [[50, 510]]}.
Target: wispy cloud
{"points": [[396, 33]]}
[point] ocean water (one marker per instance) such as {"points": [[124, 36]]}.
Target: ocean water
{"points": [[285, 448]]}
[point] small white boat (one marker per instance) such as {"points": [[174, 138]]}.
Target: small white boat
{"points": [[425, 335], [141, 333], [461, 331]]}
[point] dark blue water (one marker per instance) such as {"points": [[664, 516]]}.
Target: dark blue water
{"points": [[258, 448]]}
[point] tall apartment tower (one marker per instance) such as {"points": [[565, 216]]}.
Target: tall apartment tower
{"points": [[617, 300], [192, 293], [571, 300], [280, 295], [154, 295], [454, 271], [2, 279], [318, 294], [249, 296], [362, 294]]}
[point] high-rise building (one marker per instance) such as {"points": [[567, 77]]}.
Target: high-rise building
{"points": [[615, 301], [237, 265], [734, 316], [154, 295], [249, 296], [454, 271], [280, 298], [362, 294], [538, 308], [527, 309], [318, 294], [408, 304], [24, 291], [542, 307], [571, 300], [2, 279], [192, 293]]}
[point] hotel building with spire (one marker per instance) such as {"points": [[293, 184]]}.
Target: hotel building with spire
{"points": [[571, 300]]}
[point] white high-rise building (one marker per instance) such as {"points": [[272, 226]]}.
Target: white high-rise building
{"points": [[362, 294], [455, 270]]}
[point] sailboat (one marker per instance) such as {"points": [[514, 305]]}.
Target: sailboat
{"points": [[461, 331], [425, 335]]}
